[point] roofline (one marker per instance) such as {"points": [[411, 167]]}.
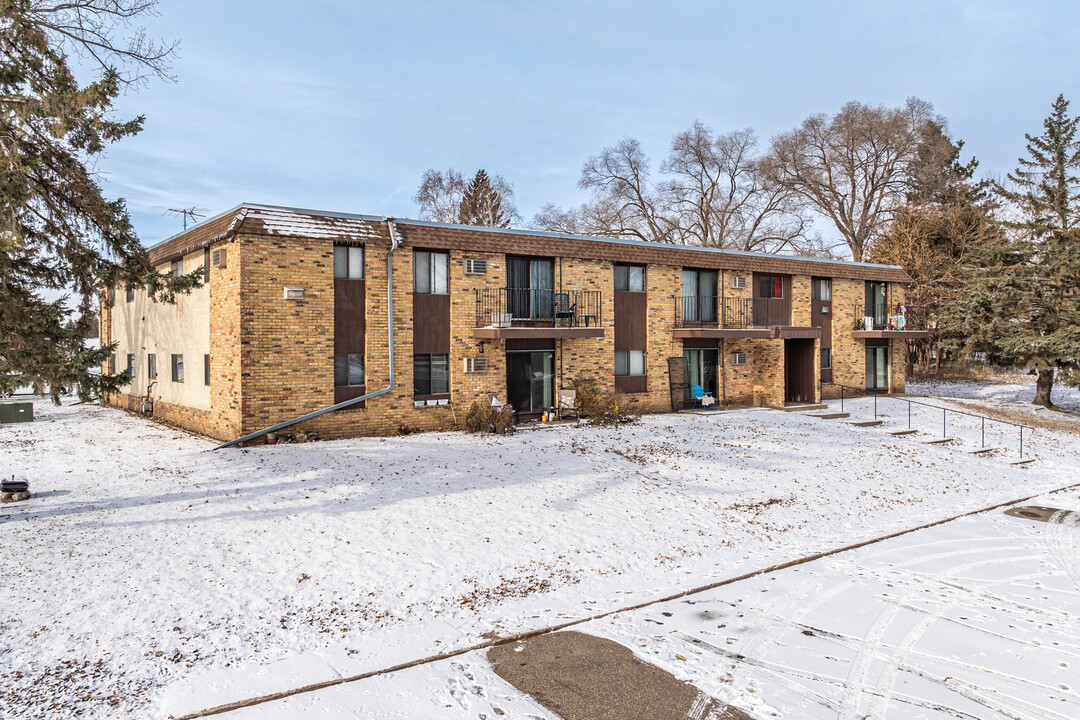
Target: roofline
{"points": [[532, 233]]}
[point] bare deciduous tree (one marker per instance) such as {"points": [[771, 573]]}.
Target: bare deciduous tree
{"points": [[718, 197], [104, 32], [852, 167], [711, 192]]}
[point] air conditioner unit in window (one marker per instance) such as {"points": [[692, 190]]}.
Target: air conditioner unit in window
{"points": [[474, 266], [738, 282], [476, 365], [738, 358], [217, 258]]}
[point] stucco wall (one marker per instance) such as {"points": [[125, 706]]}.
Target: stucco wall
{"points": [[144, 326]]}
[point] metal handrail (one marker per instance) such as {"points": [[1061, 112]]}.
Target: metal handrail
{"points": [[944, 411]]}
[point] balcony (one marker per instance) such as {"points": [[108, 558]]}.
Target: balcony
{"points": [[703, 316], [503, 313], [906, 321]]}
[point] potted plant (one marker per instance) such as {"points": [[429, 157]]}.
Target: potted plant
{"points": [[271, 438]]}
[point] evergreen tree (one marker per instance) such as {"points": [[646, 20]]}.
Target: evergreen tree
{"points": [[1021, 297], [482, 203], [59, 236]]}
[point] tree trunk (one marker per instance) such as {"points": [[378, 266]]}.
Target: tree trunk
{"points": [[1043, 385]]}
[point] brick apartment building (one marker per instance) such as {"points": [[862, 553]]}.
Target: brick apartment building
{"points": [[292, 317]]}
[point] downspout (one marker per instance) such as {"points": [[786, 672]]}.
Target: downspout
{"points": [[390, 352]]}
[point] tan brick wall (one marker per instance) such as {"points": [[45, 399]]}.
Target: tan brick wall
{"points": [[800, 300], [196, 420], [225, 358]]}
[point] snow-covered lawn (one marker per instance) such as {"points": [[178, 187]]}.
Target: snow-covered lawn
{"points": [[151, 575], [1012, 390]]}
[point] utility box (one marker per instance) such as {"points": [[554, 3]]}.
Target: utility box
{"points": [[16, 412]]}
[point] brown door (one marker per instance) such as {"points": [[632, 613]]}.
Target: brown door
{"points": [[799, 371], [821, 316]]}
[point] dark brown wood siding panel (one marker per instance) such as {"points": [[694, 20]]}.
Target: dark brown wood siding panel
{"points": [[513, 344], [707, 343], [350, 316], [348, 392], [431, 324], [631, 320], [632, 383], [772, 311]]}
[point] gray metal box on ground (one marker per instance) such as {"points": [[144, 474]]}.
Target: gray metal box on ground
{"points": [[16, 412]]}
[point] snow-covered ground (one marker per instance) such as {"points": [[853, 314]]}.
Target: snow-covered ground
{"points": [[151, 575], [1012, 390]]}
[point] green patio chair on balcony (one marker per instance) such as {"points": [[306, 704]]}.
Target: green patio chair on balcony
{"points": [[563, 309]]}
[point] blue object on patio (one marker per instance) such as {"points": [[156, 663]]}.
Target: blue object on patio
{"points": [[699, 393]]}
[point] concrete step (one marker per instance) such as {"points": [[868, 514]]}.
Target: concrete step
{"points": [[832, 416], [866, 423], [903, 432], [939, 441], [804, 408]]}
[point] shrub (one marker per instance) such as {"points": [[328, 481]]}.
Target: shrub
{"points": [[483, 418], [603, 407]]}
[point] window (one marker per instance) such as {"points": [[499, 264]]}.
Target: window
{"points": [[431, 272], [131, 365], [206, 265], [177, 268], [738, 358], [699, 301], [530, 287], [826, 358], [630, 278], [629, 362], [738, 282], [770, 286], [821, 289], [178, 368], [151, 366], [206, 369], [348, 369], [130, 295], [348, 262], [431, 374], [112, 364]]}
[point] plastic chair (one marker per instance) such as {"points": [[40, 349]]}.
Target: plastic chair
{"points": [[699, 396], [563, 309]]}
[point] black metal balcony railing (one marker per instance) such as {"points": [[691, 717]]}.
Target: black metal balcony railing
{"points": [[523, 307], [909, 318], [705, 311]]}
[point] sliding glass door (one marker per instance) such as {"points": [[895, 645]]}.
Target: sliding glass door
{"points": [[877, 368], [530, 287], [530, 380], [701, 369]]}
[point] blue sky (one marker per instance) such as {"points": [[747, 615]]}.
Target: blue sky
{"points": [[342, 105]]}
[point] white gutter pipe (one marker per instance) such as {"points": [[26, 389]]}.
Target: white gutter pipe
{"points": [[390, 351]]}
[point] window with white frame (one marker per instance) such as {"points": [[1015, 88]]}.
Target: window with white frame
{"points": [[629, 362], [431, 272], [177, 268]]}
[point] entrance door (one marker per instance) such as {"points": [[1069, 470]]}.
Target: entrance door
{"points": [[799, 371], [530, 381], [877, 368], [700, 364]]}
